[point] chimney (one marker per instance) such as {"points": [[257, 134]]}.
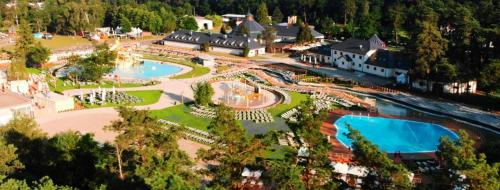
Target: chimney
{"points": [[190, 32], [291, 20]]}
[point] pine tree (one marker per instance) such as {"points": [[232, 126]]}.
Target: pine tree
{"points": [[430, 47], [277, 15], [263, 14]]}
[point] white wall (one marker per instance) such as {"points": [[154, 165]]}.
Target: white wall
{"points": [[182, 45], [379, 71], [202, 22], [227, 50]]}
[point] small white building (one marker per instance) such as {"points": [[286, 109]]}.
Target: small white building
{"points": [[54, 102], [204, 24], [205, 60], [448, 88], [11, 104]]}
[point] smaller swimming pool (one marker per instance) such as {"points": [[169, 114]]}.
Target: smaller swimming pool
{"points": [[394, 135], [147, 70]]}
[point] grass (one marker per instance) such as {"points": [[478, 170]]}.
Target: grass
{"points": [[297, 98], [148, 96], [222, 68], [33, 71], [180, 114], [278, 152], [196, 71], [60, 42]]}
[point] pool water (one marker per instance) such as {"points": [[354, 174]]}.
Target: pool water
{"points": [[394, 135], [147, 70]]}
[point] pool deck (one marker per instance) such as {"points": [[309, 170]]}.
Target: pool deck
{"points": [[340, 153]]}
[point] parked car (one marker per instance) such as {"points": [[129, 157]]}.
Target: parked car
{"points": [[48, 36]]}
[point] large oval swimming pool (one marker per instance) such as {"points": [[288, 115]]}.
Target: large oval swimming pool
{"points": [[147, 70], [394, 135]]}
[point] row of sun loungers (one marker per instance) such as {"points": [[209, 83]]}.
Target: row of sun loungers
{"points": [[204, 112], [337, 100], [192, 133], [258, 116], [427, 166]]}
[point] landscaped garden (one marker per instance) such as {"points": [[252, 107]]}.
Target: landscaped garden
{"points": [[197, 70]]}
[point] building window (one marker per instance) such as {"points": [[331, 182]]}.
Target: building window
{"points": [[335, 52], [382, 70], [341, 53], [374, 68], [359, 65], [342, 62], [367, 67], [360, 57], [353, 64]]}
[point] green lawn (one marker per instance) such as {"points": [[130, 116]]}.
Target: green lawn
{"points": [[149, 97], [59, 42], [196, 71], [297, 98], [180, 114], [278, 152], [33, 71]]}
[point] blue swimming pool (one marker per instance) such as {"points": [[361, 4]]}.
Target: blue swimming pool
{"points": [[394, 135], [147, 70]]}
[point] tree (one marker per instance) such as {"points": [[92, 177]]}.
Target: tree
{"points": [[262, 16], [243, 30], [203, 93], [37, 55], [396, 15], [246, 51], [145, 149], [309, 122], [188, 23], [269, 35], [349, 10], [489, 79], [232, 150], [445, 72], [223, 29], [383, 172], [430, 47], [97, 64], [205, 47], [328, 27], [304, 35], [461, 156], [9, 161], [17, 69], [277, 15], [285, 174], [216, 19], [125, 24]]}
